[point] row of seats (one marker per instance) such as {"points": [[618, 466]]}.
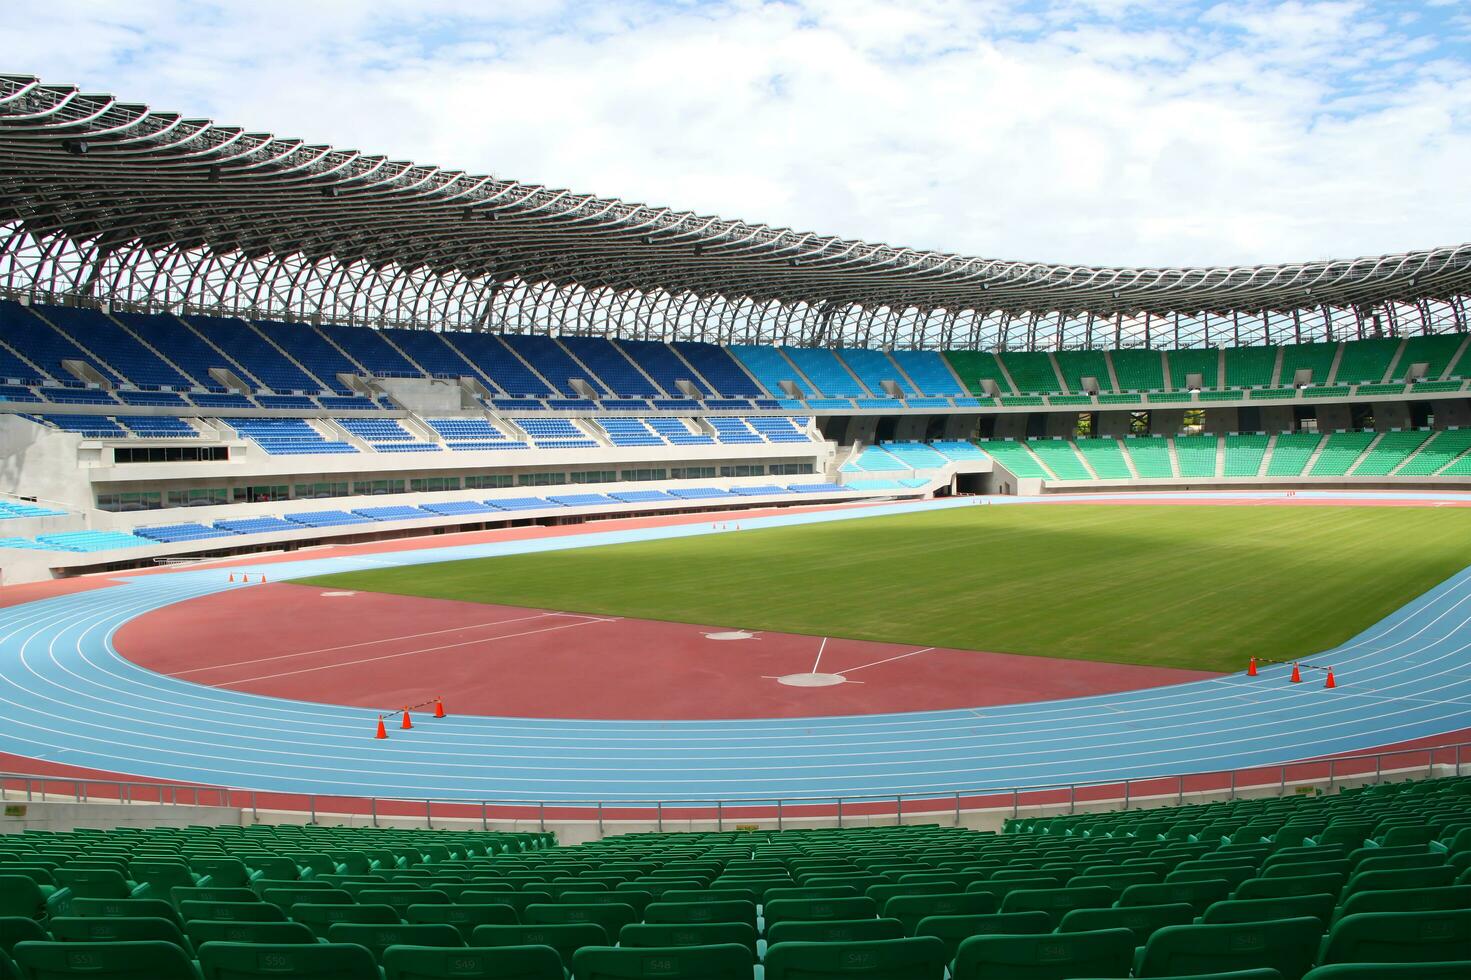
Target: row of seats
{"points": [[187, 531], [1366, 882], [1355, 362]]}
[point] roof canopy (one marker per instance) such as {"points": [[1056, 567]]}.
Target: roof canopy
{"points": [[115, 196]]}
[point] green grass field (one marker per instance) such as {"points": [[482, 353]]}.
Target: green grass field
{"points": [[1179, 586]]}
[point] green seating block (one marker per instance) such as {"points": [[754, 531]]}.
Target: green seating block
{"points": [[1285, 945], [1398, 937]]}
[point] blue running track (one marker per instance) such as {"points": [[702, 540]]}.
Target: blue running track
{"points": [[66, 696]]}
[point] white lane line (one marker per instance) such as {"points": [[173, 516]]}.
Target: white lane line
{"points": [[349, 646], [407, 653], [890, 660], [820, 647]]}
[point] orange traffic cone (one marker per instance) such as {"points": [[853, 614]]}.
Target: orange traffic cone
{"points": [[232, 576], [1251, 668], [438, 708], [382, 729], [1330, 682], [262, 578], [406, 722], [1296, 675]]}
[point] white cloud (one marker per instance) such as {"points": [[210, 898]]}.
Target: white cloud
{"points": [[1078, 131]]}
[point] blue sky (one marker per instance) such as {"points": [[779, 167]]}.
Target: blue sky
{"points": [[1097, 131]]}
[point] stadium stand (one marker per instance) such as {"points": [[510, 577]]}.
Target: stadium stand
{"points": [[873, 368], [974, 368], [1076, 365], [1437, 452], [1315, 358], [1291, 452], [1389, 453], [1365, 361], [1138, 370], [1032, 373], [1204, 361], [773, 370], [828, 373], [1105, 457], [611, 366], [1340, 452], [551, 361], [1059, 456], [1151, 456], [1244, 453], [1196, 455], [719, 368]]}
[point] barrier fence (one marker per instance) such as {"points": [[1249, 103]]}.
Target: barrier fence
{"points": [[1054, 797]]}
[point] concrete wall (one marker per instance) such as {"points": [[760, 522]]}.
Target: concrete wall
{"points": [[18, 815]]}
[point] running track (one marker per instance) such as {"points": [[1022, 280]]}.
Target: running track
{"points": [[66, 696]]}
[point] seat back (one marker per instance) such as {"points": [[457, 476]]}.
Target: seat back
{"points": [[376, 938], [1408, 900], [910, 909], [124, 908], [611, 917], [1057, 902], [1399, 937], [729, 961], [1318, 907], [913, 958], [649, 935], [730, 910], [819, 909], [202, 931], [1142, 920], [1321, 884], [835, 931], [190, 910], [299, 961], [93, 882], [1286, 945], [21, 897], [463, 917], [320, 918], [102, 929], [503, 963], [144, 960], [1099, 953], [564, 937], [1199, 895]]}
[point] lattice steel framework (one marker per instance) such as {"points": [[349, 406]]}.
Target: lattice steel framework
{"points": [[108, 202]]}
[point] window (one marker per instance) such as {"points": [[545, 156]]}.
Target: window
{"points": [[434, 484], [788, 469], [119, 502], [1084, 427], [1194, 422], [169, 454], [693, 472], [378, 487], [489, 481], [743, 469], [315, 491], [1139, 423], [595, 476], [644, 475], [198, 497], [262, 493], [541, 479]]}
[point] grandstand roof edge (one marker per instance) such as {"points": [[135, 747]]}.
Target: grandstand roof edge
{"points": [[117, 180]]}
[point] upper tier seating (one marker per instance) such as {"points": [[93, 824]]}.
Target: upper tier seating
{"points": [[91, 426], [1250, 367], [828, 372], [778, 428], [733, 430], [1032, 372], [314, 352], [623, 431], [1138, 369], [114, 344], [1317, 358], [497, 362], [551, 361], [609, 364], [174, 533], [976, 367], [929, 372], [36, 341], [957, 449], [1365, 361], [1204, 361], [90, 541], [1438, 354], [185, 347], [916, 455], [660, 363], [1076, 365], [371, 350], [158, 426], [247, 348], [19, 508], [718, 367], [873, 368], [771, 368]]}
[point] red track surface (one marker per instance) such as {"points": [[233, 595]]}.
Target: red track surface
{"points": [[379, 651]]}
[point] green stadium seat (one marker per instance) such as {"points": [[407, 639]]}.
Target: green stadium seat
{"points": [[910, 909], [611, 917], [222, 872], [499, 963], [818, 909], [1057, 902], [320, 918], [1319, 907], [1199, 895], [21, 896], [915, 958], [148, 908], [200, 931], [1402, 971], [952, 930], [1058, 956], [730, 961], [1285, 945], [1288, 885], [162, 877], [731, 910], [8, 969], [147, 960], [230, 912], [1408, 900], [1364, 881], [835, 931], [463, 917], [100, 929], [377, 938], [324, 961], [1398, 937], [18, 929], [209, 893], [1142, 920], [566, 938], [94, 882], [652, 934]]}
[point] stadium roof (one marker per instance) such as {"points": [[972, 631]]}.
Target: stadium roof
{"points": [[125, 189]]}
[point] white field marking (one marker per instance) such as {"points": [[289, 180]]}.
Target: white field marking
{"points": [[890, 660], [601, 619], [349, 646], [820, 647], [409, 653]]}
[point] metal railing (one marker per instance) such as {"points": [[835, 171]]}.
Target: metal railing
{"points": [[1049, 798]]}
